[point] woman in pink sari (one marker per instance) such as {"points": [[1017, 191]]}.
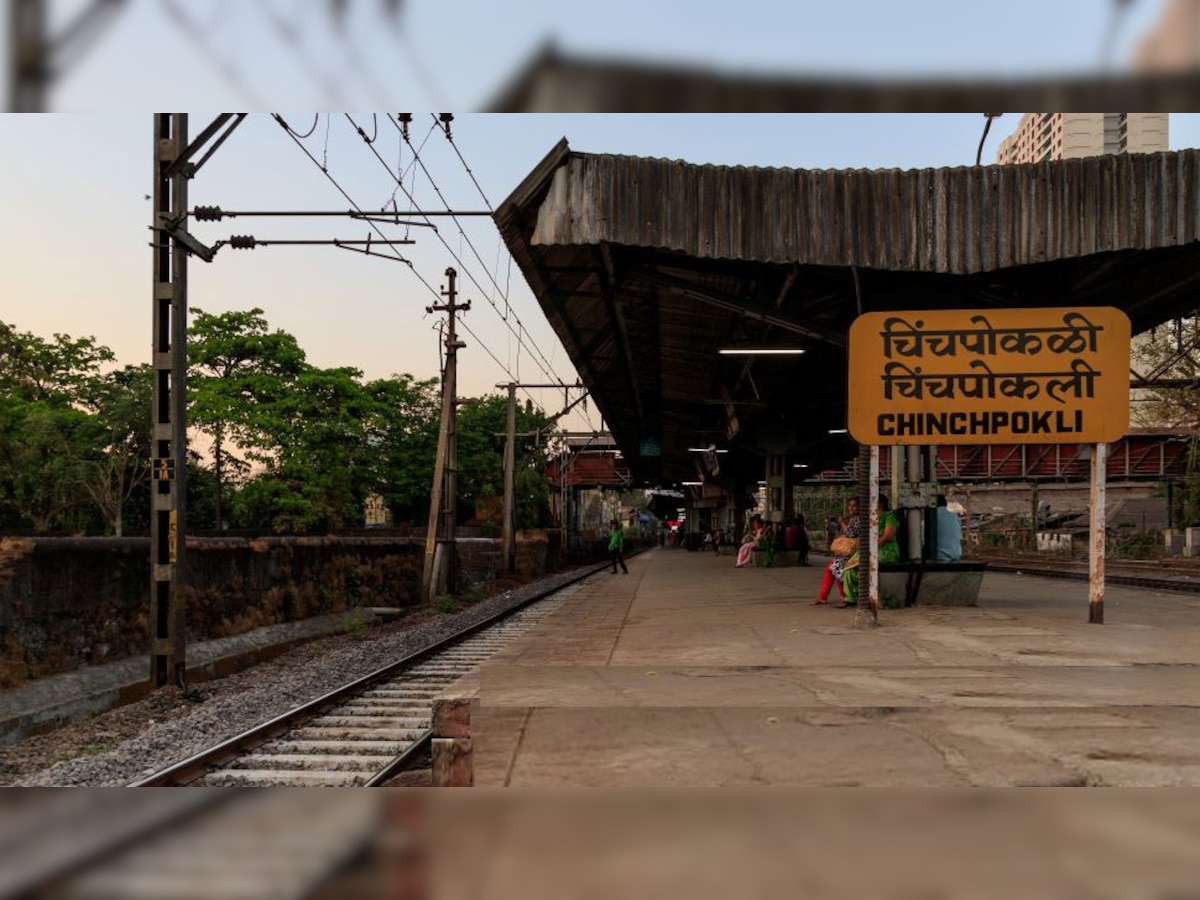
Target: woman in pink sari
{"points": [[749, 542]]}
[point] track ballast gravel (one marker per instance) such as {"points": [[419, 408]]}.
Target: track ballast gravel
{"points": [[134, 741]]}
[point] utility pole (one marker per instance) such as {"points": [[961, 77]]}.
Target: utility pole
{"points": [[168, 520], [508, 531], [440, 564], [172, 244]]}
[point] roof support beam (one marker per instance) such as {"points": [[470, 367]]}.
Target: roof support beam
{"points": [[721, 301], [609, 287]]}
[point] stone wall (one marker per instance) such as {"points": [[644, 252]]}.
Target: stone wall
{"points": [[67, 602]]}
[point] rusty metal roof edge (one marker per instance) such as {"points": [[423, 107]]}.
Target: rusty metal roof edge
{"points": [[620, 199], [536, 182]]}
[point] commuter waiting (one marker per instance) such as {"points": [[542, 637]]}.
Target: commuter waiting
{"points": [[949, 533]]}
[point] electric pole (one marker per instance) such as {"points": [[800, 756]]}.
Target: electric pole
{"points": [[508, 532], [172, 245], [439, 570], [168, 659]]}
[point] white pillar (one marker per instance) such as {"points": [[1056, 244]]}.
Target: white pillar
{"points": [[1097, 534], [873, 534]]}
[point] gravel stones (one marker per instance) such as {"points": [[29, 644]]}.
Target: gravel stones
{"points": [[133, 741]]}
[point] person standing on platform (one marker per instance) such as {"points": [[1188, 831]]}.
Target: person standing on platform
{"points": [[949, 533], [616, 544]]}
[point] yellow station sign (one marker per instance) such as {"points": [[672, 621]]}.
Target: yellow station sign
{"points": [[994, 376]]}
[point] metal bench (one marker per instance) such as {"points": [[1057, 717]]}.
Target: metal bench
{"points": [[930, 583]]}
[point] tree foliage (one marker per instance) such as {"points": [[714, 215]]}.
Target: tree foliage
{"points": [[277, 443]]}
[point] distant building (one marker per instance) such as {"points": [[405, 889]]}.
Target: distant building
{"points": [[1051, 136], [376, 513]]}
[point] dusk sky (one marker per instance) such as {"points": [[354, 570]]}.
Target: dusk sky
{"points": [[74, 230]]}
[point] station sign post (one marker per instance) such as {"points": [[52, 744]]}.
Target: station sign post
{"points": [[972, 376]]}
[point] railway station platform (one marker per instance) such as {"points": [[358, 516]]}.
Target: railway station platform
{"points": [[689, 672]]}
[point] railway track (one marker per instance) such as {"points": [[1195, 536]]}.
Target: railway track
{"points": [[1151, 575], [362, 734]]}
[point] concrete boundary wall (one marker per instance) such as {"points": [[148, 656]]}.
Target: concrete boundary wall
{"points": [[72, 602]]}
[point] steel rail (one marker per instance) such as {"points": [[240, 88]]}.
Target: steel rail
{"points": [[194, 767], [1160, 581]]}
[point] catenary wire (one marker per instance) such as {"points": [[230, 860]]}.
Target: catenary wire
{"points": [[535, 353], [548, 372], [549, 366], [437, 294]]}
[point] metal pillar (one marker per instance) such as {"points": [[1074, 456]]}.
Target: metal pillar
{"points": [[873, 534], [168, 519], [1098, 522], [914, 514], [439, 569], [508, 532]]}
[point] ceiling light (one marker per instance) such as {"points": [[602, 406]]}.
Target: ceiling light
{"points": [[760, 351], [691, 483], [837, 430], [799, 465], [705, 450]]}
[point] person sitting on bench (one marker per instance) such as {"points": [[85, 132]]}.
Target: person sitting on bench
{"points": [[949, 533]]}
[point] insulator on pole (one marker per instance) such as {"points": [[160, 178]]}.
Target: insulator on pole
{"points": [[242, 242], [208, 213]]}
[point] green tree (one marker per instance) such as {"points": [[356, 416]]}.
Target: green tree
{"points": [[58, 370], [48, 431], [318, 465], [112, 475], [44, 446], [481, 427], [402, 434], [237, 369]]}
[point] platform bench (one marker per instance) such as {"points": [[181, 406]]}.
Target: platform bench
{"points": [[930, 583], [783, 558]]}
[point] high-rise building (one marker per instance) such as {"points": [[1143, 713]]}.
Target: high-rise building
{"points": [[1048, 136]]}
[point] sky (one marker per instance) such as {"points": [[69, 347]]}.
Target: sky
{"points": [[278, 53], [74, 254]]}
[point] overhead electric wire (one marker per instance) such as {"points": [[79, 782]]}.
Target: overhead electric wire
{"points": [[325, 171], [491, 277], [535, 353], [309, 133], [478, 187], [548, 372], [437, 294]]}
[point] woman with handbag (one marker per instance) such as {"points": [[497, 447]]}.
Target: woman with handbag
{"points": [[889, 550], [842, 547]]}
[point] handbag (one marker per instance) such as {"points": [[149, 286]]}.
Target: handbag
{"points": [[843, 546]]}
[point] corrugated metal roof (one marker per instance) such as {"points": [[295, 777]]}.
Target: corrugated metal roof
{"points": [[951, 220]]}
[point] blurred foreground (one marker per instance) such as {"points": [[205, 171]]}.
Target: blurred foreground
{"points": [[486, 844]]}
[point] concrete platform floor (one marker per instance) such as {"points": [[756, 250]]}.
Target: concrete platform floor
{"points": [[689, 672]]}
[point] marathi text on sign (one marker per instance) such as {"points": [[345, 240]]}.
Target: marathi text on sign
{"points": [[966, 376]]}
